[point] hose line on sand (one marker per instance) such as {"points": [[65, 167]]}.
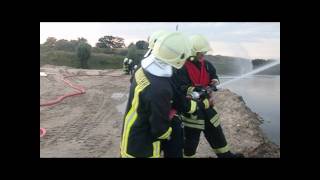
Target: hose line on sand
{"points": [[78, 91]]}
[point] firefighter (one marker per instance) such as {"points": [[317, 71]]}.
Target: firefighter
{"points": [[146, 121], [173, 147], [153, 39], [195, 76], [130, 66], [125, 66]]}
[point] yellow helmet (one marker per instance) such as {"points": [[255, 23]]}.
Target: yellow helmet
{"points": [[154, 37], [173, 48], [199, 44]]}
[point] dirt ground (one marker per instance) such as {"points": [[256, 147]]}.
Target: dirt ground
{"points": [[89, 125]]}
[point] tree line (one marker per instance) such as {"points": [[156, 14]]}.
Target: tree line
{"points": [[106, 44]]}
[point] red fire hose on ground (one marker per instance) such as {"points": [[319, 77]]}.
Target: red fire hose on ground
{"points": [[79, 90], [42, 132]]}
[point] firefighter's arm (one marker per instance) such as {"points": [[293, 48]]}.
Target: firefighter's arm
{"points": [[183, 104], [188, 105], [198, 102], [213, 73], [159, 114]]}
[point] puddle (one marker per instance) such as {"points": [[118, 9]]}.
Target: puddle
{"points": [[117, 95], [122, 107]]}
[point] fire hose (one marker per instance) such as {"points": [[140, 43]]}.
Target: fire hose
{"points": [[196, 95], [79, 90]]}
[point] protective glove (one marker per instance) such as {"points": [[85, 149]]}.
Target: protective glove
{"points": [[214, 82]]}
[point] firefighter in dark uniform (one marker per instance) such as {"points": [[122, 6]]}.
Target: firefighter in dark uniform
{"points": [[195, 76], [125, 65], [146, 121], [173, 147], [130, 66]]}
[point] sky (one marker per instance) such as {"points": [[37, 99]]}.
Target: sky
{"points": [[240, 39]]}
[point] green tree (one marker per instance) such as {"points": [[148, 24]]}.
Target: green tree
{"points": [[64, 45], [82, 40], [74, 44], [50, 42], [110, 42], [83, 53], [142, 45]]}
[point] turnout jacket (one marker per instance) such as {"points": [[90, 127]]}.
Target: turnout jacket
{"points": [[146, 119], [194, 112]]}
